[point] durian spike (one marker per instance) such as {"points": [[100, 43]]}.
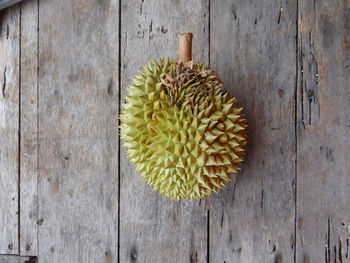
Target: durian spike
{"points": [[185, 47]]}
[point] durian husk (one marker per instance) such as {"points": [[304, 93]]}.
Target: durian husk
{"points": [[185, 136]]}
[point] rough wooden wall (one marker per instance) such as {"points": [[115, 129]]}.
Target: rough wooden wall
{"points": [[69, 194], [323, 129], [9, 127], [253, 48]]}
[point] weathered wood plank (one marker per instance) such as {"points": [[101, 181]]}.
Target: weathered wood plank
{"points": [[153, 228], [252, 48], [323, 181], [9, 110], [16, 259], [28, 127], [78, 136]]}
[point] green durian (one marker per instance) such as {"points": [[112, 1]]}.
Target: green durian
{"points": [[185, 135]]}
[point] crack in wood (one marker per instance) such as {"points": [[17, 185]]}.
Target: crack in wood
{"points": [[335, 254], [4, 84], [313, 92], [233, 192], [310, 94], [19, 130], [273, 248], [150, 26], [328, 243], [340, 250], [292, 242], [222, 219], [279, 15], [234, 12], [301, 60], [294, 182]]}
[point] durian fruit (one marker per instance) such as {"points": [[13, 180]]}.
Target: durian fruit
{"points": [[184, 134]]}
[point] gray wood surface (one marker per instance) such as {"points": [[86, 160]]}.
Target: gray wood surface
{"points": [[28, 129], [65, 198], [78, 139], [9, 125], [323, 178], [153, 228], [253, 50]]}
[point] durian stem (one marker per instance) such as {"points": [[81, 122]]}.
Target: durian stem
{"points": [[185, 47]]}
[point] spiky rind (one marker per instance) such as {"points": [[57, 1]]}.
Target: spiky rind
{"points": [[185, 136]]}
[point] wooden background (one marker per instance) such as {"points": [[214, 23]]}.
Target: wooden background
{"points": [[69, 194]]}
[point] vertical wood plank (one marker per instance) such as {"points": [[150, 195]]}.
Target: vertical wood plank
{"points": [[323, 181], [78, 136], [28, 125], [153, 228], [253, 49], [9, 109]]}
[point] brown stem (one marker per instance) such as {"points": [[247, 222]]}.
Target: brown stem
{"points": [[185, 47]]}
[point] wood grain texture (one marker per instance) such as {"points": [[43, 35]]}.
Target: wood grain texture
{"points": [[323, 179], [252, 48], [9, 125], [153, 228], [78, 136], [28, 128]]}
